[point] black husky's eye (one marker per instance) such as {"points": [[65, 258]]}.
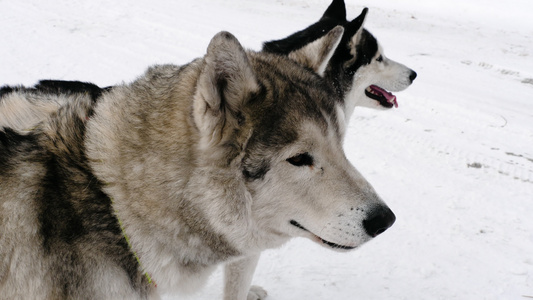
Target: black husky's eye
{"points": [[299, 160], [380, 58]]}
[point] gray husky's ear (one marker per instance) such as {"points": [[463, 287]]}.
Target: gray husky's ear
{"points": [[354, 30], [317, 54], [226, 82]]}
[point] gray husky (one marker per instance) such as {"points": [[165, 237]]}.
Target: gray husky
{"points": [[148, 189]]}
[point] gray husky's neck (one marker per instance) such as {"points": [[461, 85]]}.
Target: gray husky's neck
{"points": [[141, 145]]}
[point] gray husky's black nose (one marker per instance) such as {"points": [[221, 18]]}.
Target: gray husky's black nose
{"points": [[378, 220], [412, 76]]}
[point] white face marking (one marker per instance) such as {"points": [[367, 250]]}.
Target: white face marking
{"points": [[382, 72], [389, 74]]}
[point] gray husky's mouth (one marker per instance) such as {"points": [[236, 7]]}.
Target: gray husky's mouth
{"points": [[332, 245], [384, 97]]}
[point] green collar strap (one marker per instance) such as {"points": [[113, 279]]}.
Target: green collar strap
{"points": [[150, 281]]}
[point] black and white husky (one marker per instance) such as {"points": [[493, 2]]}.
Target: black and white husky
{"points": [[359, 71]]}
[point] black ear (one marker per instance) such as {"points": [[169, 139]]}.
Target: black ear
{"points": [[355, 27], [226, 82], [336, 11]]}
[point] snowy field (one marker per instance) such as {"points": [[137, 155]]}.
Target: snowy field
{"points": [[454, 161]]}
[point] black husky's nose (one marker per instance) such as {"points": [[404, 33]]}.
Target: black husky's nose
{"points": [[412, 76], [378, 220]]}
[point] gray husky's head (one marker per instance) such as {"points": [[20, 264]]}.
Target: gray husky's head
{"points": [[277, 129]]}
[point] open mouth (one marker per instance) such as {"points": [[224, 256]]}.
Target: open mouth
{"points": [[330, 244], [385, 98]]}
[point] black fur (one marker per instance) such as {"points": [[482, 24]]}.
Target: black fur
{"points": [[11, 144], [57, 87], [343, 65], [6, 90], [335, 15], [70, 87]]}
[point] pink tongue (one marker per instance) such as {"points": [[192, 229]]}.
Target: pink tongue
{"points": [[389, 96]]}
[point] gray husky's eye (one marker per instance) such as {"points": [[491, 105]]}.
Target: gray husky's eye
{"points": [[299, 160], [380, 58]]}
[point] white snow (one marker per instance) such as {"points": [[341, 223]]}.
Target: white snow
{"points": [[454, 161]]}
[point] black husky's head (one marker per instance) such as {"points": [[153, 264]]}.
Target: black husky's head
{"points": [[358, 70]]}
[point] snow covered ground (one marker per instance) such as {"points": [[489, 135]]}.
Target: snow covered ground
{"points": [[454, 161]]}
